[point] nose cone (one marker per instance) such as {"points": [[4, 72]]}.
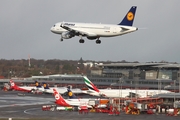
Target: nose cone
{"points": [[52, 29]]}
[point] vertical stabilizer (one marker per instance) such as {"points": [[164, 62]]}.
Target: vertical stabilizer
{"points": [[37, 84], [129, 17], [90, 85], [45, 85], [71, 95], [59, 99], [13, 85]]}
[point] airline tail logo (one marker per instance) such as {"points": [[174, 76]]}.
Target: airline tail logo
{"points": [[59, 99], [56, 94], [45, 85], [37, 84], [12, 84], [130, 16], [90, 85], [70, 93]]}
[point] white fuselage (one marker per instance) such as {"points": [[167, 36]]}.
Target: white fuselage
{"points": [[92, 30], [126, 92], [77, 102], [62, 90], [85, 102]]}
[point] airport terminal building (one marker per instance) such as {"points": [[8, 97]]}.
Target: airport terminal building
{"points": [[127, 75], [116, 75]]}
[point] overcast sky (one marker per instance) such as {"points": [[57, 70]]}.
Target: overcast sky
{"points": [[25, 30]]}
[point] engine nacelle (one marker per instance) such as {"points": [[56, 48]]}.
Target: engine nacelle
{"points": [[92, 38], [67, 35]]}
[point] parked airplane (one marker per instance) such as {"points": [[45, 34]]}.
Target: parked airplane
{"points": [[95, 31], [37, 87], [48, 89], [25, 88], [61, 90], [77, 102], [116, 93]]}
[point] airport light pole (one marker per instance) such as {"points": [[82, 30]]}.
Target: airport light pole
{"points": [[120, 90], [136, 90], [179, 85], [131, 90], [174, 89], [179, 79]]}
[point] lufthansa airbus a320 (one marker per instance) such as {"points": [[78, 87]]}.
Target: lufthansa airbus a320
{"points": [[93, 31]]}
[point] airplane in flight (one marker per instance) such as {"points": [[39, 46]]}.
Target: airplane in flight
{"points": [[94, 31], [77, 102], [123, 93], [24, 88]]}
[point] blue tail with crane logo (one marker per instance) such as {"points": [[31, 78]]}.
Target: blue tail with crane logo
{"points": [[129, 18]]}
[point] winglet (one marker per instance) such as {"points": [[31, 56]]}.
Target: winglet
{"points": [[129, 18], [90, 85]]}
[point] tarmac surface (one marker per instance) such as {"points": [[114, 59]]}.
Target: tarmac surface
{"points": [[29, 105]]}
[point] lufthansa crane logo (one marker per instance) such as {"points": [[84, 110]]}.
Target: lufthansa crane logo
{"points": [[44, 85], [130, 16], [70, 93], [37, 83]]}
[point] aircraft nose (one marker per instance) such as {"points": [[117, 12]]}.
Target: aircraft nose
{"points": [[52, 29]]}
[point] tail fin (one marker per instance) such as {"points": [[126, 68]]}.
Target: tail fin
{"points": [[13, 85], [45, 85], [37, 84], [129, 18], [59, 99], [90, 85], [71, 95]]}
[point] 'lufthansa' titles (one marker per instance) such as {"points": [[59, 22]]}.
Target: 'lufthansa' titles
{"points": [[69, 24]]}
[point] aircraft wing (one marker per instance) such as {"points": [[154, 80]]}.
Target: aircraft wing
{"points": [[78, 32]]}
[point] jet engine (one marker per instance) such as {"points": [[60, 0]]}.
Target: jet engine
{"points": [[67, 35]]}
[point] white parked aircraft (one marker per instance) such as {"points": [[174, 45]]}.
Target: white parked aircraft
{"points": [[116, 93], [95, 31], [78, 102], [61, 90]]}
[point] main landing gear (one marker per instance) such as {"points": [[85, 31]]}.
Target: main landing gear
{"points": [[81, 40], [98, 41], [61, 38]]}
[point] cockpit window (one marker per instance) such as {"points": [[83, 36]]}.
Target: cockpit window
{"points": [[54, 25]]}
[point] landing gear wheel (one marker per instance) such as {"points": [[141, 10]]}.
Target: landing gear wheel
{"points": [[81, 41], [61, 39], [98, 41]]}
